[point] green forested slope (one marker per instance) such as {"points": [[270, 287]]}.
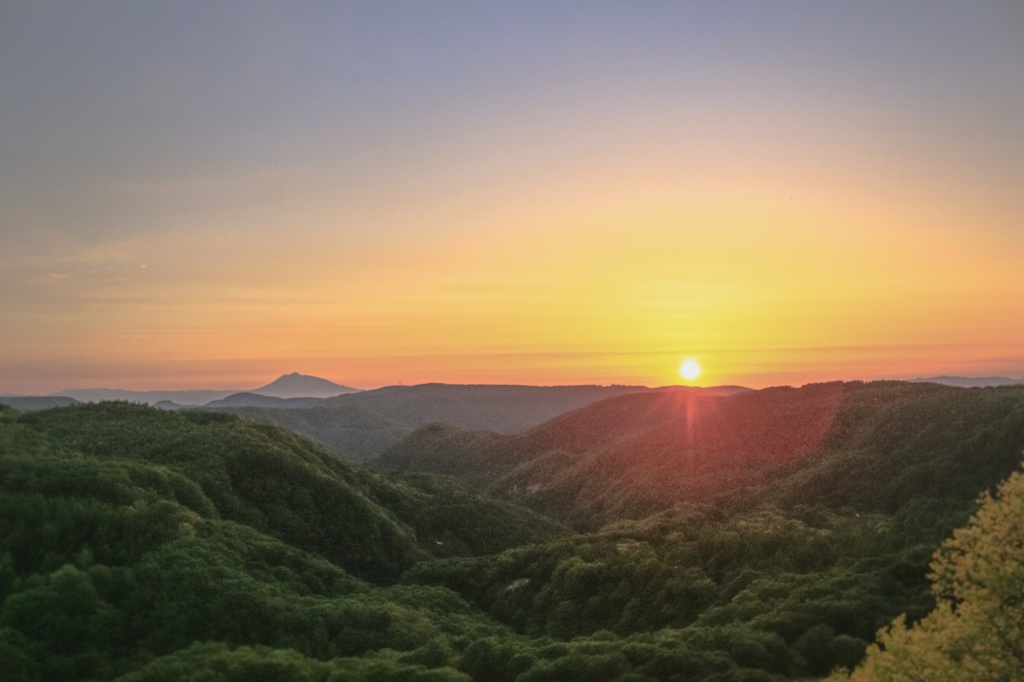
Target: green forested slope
{"points": [[284, 486], [819, 591], [129, 533], [818, 532], [222, 468], [868, 446], [976, 631], [155, 545]]}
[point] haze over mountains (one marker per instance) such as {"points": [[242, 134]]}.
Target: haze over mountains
{"points": [[295, 385], [292, 385], [362, 425], [971, 382], [37, 402]]}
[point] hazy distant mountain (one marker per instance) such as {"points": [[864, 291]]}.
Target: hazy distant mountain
{"points": [[297, 385], [971, 382], [182, 398], [256, 400], [364, 424], [635, 434], [501, 408], [292, 385], [27, 403]]}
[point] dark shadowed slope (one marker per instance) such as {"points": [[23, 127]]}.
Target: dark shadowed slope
{"points": [[362, 425], [281, 485], [635, 454], [129, 534]]}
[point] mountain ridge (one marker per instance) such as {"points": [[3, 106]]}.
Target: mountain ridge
{"points": [[969, 382], [763, 535], [634, 454], [293, 385], [362, 425]]}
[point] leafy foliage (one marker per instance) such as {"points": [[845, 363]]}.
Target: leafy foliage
{"points": [[976, 631], [140, 544], [823, 591], [256, 475], [113, 551]]}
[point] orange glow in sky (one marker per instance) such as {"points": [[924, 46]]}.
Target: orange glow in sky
{"points": [[531, 194]]}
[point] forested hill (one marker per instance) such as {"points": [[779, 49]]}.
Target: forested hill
{"points": [[36, 402], [867, 445], [359, 426], [139, 544]]}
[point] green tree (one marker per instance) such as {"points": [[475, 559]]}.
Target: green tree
{"points": [[976, 631]]}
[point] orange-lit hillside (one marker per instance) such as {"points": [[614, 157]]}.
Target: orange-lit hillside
{"points": [[640, 453]]}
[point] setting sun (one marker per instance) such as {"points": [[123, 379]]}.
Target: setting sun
{"points": [[689, 370]]}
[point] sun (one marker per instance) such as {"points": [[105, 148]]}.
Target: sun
{"points": [[689, 370]]}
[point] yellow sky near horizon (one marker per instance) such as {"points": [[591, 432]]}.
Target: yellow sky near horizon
{"points": [[619, 296], [527, 194]]}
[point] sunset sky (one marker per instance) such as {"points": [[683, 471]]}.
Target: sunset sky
{"points": [[199, 194]]}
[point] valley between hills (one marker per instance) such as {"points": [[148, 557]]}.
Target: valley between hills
{"points": [[518, 533]]}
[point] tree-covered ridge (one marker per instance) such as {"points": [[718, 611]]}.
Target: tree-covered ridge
{"points": [[285, 486], [867, 446], [820, 588], [129, 532], [114, 564], [222, 468], [976, 631], [143, 544], [107, 560], [359, 426]]}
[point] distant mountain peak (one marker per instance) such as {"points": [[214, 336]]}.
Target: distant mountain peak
{"points": [[296, 385]]}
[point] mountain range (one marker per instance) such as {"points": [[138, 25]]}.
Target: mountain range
{"points": [[292, 385], [295, 385], [654, 534], [362, 425], [37, 402], [635, 454]]}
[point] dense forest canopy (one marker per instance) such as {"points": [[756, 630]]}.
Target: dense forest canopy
{"points": [[761, 536], [976, 631]]}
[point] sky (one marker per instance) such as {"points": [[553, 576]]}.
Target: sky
{"points": [[200, 194]]}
